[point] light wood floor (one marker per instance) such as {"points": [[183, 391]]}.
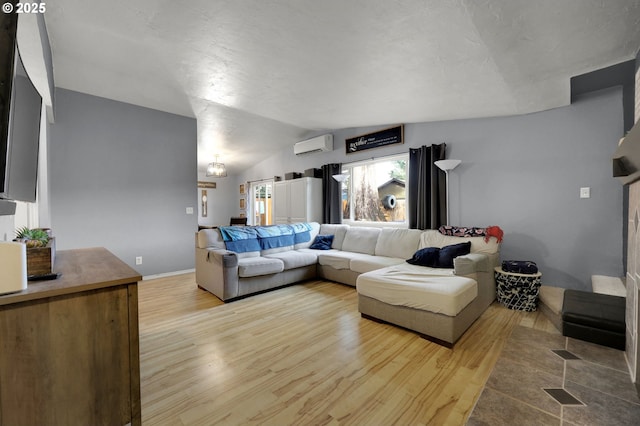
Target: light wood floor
{"points": [[303, 355]]}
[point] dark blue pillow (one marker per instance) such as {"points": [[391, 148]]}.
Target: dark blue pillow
{"points": [[448, 253], [435, 257], [322, 242], [425, 257]]}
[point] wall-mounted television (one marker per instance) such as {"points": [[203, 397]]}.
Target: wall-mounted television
{"points": [[19, 128]]}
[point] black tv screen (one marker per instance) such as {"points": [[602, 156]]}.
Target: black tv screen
{"points": [[20, 146]]}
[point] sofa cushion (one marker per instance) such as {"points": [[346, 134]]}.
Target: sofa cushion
{"points": [[338, 259], [248, 254], [210, 238], [315, 228], [322, 242], [397, 242], [275, 250], [254, 266], [338, 232], [365, 263], [433, 238], [295, 258], [361, 240]]}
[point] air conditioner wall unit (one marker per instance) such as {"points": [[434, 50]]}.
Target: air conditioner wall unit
{"points": [[322, 143]]}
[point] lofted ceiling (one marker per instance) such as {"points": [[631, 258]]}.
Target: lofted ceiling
{"points": [[260, 75]]}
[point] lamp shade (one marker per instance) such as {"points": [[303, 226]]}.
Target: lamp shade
{"points": [[447, 165], [340, 177]]}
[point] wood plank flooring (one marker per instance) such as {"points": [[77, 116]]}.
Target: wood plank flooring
{"points": [[303, 355]]}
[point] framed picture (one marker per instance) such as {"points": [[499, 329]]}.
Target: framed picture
{"points": [[242, 189], [243, 204], [384, 137]]}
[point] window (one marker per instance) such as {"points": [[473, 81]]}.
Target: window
{"points": [[375, 190]]}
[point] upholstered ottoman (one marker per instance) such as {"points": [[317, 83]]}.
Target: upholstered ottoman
{"points": [[593, 317], [435, 303]]}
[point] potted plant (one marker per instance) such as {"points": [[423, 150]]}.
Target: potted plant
{"points": [[40, 250], [33, 237]]}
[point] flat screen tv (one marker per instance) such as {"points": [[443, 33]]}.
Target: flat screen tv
{"points": [[20, 134]]}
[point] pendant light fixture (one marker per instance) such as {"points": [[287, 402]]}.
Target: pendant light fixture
{"points": [[216, 169]]}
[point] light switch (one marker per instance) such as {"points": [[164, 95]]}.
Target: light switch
{"points": [[585, 192]]}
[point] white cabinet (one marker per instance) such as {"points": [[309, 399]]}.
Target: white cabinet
{"points": [[298, 200]]}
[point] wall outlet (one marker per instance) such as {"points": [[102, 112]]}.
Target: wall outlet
{"points": [[189, 210], [139, 260]]}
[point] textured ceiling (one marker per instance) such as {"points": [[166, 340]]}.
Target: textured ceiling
{"points": [[261, 74]]}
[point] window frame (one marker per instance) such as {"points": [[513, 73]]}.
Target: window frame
{"points": [[348, 168]]}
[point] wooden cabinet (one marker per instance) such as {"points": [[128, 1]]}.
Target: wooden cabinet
{"points": [[69, 351], [298, 200]]}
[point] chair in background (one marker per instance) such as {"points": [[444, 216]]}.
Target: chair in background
{"points": [[238, 221]]}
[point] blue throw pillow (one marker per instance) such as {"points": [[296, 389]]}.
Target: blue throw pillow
{"points": [[425, 257], [448, 253], [322, 242], [435, 257]]}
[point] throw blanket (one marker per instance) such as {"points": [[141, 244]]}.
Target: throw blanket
{"points": [[242, 239], [472, 231], [275, 236]]}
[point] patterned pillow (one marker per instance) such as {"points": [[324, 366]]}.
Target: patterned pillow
{"points": [[462, 231], [472, 231]]}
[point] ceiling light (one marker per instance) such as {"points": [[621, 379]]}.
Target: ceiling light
{"points": [[340, 177], [216, 169]]}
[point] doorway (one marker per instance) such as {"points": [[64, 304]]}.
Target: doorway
{"points": [[262, 206]]}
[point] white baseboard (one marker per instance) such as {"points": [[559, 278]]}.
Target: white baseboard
{"points": [[167, 274]]}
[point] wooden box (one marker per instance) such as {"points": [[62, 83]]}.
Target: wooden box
{"points": [[40, 260]]}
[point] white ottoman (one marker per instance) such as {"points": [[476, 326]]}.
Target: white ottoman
{"points": [[435, 303]]}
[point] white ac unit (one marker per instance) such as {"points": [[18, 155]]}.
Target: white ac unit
{"points": [[320, 143]]}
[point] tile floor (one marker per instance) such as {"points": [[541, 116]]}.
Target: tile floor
{"points": [[548, 379]]}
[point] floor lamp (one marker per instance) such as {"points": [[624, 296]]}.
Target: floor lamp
{"points": [[446, 165]]}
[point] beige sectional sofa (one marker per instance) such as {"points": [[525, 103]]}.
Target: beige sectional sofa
{"points": [[368, 258]]}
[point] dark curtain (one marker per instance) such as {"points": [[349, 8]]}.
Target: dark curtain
{"points": [[427, 188], [331, 194]]}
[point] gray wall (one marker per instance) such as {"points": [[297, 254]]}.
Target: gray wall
{"points": [[222, 201], [121, 177], [522, 173]]}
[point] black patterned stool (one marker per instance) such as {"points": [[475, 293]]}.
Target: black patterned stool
{"points": [[518, 291]]}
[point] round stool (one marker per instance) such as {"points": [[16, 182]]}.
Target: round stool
{"points": [[518, 291]]}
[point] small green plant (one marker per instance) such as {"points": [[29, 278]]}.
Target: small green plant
{"points": [[32, 237]]}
